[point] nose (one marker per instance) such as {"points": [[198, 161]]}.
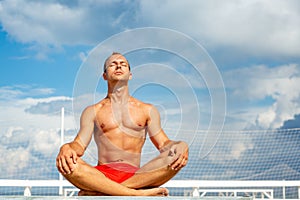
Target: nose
{"points": [[118, 66]]}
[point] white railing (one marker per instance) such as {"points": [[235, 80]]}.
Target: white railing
{"points": [[198, 188], [202, 188]]}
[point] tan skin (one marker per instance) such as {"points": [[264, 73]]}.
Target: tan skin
{"points": [[120, 124]]}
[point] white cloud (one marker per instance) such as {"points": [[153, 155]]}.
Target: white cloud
{"points": [[264, 119], [232, 144], [238, 149], [39, 21], [257, 27], [9, 132], [43, 141], [57, 23], [268, 27], [17, 91], [273, 81], [28, 139], [13, 160], [256, 83], [82, 56]]}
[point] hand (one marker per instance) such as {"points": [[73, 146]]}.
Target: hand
{"points": [[180, 151], [66, 159]]}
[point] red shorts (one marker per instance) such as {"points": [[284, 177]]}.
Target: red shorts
{"points": [[117, 172]]}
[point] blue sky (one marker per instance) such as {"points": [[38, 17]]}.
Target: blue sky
{"points": [[43, 45], [254, 45]]}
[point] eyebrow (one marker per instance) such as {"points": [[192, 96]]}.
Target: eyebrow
{"points": [[114, 62]]}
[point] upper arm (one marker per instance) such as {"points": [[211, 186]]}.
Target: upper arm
{"points": [[86, 130], [156, 133]]}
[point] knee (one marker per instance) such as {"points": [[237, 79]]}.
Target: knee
{"points": [[76, 170], [179, 148], [183, 143], [79, 167]]}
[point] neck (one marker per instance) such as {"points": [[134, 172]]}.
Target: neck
{"points": [[118, 93]]}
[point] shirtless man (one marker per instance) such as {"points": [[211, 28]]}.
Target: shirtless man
{"points": [[120, 124]]}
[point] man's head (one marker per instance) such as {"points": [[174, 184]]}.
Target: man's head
{"points": [[111, 57], [116, 67]]}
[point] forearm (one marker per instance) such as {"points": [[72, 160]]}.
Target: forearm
{"points": [[176, 146]]}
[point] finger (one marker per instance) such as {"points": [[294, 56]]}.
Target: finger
{"points": [[58, 165], [65, 166], [174, 159], [74, 156], [186, 153], [184, 162], [69, 164], [180, 165], [74, 161], [174, 165], [181, 162]]}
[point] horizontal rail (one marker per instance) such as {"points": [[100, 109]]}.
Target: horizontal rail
{"points": [[195, 184], [227, 184], [34, 183]]}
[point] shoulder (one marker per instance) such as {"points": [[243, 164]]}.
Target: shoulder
{"points": [[90, 111], [100, 104], [141, 104], [149, 109], [96, 107]]}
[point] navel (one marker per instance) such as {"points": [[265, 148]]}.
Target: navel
{"points": [[102, 125]]}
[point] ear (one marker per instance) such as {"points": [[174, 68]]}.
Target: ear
{"points": [[130, 76], [104, 76]]}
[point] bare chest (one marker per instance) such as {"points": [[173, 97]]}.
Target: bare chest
{"points": [[126, 119]]}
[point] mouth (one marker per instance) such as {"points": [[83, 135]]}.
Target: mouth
{"points": [[118, 73]]}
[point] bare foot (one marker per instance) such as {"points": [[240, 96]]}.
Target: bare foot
{"points": [[140, 192], [154, 192], [90, 193]]}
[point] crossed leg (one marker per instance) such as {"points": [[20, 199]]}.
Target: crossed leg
{"points": [[143, 181], [90, 180], [152, 175]]}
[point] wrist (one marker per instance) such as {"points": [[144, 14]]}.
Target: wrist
{"points": [[166, 146], [77, 148]]}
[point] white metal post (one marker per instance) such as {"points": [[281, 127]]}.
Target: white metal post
{"points": [[283, 190], [195, 192], [62, 128]]}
